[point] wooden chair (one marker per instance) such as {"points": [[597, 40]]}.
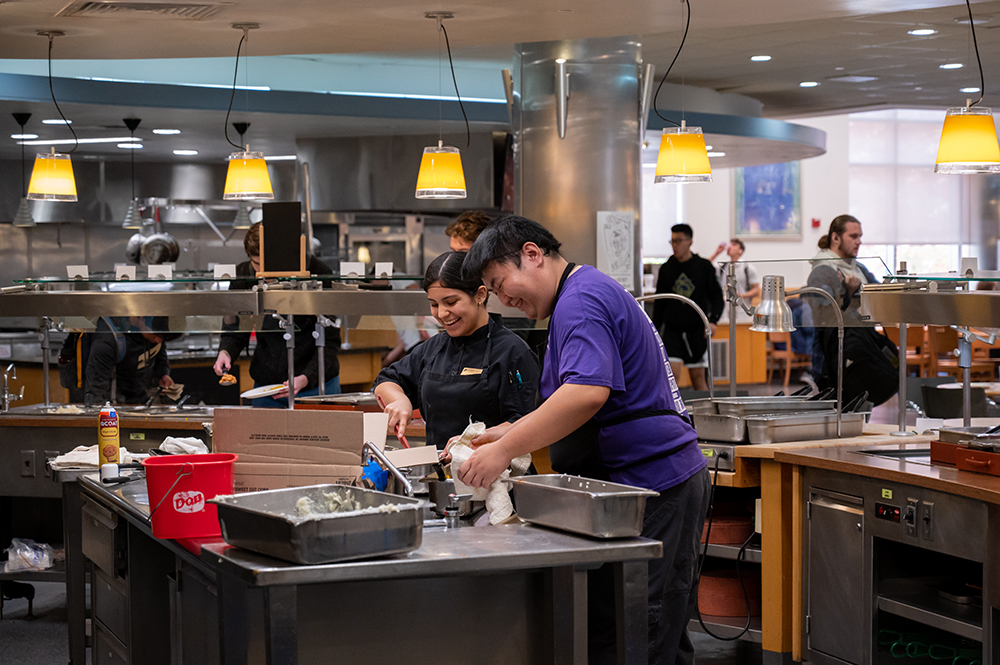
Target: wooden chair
{"points": [[786, 355], [918, 355], [942, 343]]}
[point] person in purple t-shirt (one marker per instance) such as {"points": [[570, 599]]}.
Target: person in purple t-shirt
{"points": [[611, 412]]}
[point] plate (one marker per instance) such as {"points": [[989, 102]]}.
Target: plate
{"points": [[263, 391]]}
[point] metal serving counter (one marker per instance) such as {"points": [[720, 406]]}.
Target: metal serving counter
{"points": [[517, 592]]}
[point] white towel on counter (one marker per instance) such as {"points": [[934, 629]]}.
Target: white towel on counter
{"points": [[185, 445], [85, 457]]}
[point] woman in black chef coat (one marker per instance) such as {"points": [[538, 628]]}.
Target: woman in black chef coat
{"points": [[477, 369]]}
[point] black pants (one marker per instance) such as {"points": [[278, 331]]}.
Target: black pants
{"points": [[675, 518]]}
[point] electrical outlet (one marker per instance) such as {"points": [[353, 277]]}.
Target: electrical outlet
{"points": [[49, 455], [28, 463], [926, 520]]}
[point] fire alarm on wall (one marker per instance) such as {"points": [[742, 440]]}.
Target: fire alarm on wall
{"points": [[815, 222]]}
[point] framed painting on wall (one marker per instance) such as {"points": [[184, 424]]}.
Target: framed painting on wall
{"points": [[767, 202]]}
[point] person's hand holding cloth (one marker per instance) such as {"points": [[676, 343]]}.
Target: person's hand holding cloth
{"points": [[496, 496]]}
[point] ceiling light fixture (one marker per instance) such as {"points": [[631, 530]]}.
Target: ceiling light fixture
{"points": [[951, 65], [55, 121], [52, 178], [23, 216], [970, 91], [166, 132], [24, 136], [921, 32], [247, 177], [242, 220], [969, 136], [441, 175], [682, 157], [760, 58], [186, 153], [110, 139], [133, 218], [809, 84]]}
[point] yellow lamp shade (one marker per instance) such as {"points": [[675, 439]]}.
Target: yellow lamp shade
{"points": [[968, 142], [247, 178], [683, 157], [441, 175], [52, 178]]}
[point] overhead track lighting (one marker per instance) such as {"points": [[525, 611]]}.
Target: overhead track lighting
{"points": [[441, 175], [969, 136], [247, 178], [23, 217], [52, 177], [682, 157]]}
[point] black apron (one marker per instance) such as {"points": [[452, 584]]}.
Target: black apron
{"points": [[452, 399], [578, 453]]}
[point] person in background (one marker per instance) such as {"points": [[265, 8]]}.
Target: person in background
{"points": [[682, 330], [464, 230], [747, 282], [479, 371], [270, 359], [131, 352], [612, 412]]}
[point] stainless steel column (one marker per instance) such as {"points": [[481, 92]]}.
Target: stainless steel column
{"points": [[563, 183]]}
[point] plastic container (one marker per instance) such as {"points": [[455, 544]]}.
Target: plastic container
{"points": [[179, 487]]}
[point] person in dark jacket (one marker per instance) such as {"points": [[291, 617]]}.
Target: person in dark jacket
{"points": [[270, 359], [682, 330], [129, 352], [477, 371]]}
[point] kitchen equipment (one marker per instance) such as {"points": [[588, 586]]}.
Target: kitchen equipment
{"points": [[581, 505], [959, 434], [782, 428], [268, 522], [160, 248], [438, 492], [720, 427], [743, 406], [178, 487], [352, 399], [133, 250]]}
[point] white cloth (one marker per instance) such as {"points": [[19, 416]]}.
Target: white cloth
{"points": [[497, 495], [85, 457], [187, 445]]}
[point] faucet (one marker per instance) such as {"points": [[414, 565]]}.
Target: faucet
{"points": [[369, 450], [5, 395]]}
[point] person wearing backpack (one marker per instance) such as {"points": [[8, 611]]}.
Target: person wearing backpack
{"points": [[871, 361]]}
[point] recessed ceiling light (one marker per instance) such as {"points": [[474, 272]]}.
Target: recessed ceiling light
{"points": [[716, 154], [186, 153], [951, 65], [24, 136], [57, 121], [708, 147], [280, 158], [130, 146], [853, 79], [760, 58], [808, 84], [112, 139], [921, 32], [969, 90], [166, 131]]}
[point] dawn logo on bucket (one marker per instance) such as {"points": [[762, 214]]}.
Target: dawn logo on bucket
{"points": [[189, 502]]}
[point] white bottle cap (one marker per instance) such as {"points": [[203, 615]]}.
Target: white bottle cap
{"points": [[109, 471]]}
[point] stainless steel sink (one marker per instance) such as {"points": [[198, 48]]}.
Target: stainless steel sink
{"points": [[916, 455]]}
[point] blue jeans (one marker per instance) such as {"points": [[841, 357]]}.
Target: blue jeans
{"points": [[332, 388]]}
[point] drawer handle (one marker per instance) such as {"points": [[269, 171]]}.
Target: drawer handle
{"points": [[976, 462]]}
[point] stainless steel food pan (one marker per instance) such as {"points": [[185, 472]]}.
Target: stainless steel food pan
{"points": [[960, 434], [718, 427], [581, 505], [745, 406], [701, 405], [268, 522], [780, 428]]}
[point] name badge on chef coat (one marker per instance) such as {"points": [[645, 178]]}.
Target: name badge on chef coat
{"points": [[472, 371]]}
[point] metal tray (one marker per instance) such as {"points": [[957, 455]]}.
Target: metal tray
{"points": [[717, 427], [780, 428], [960, 434], [352, 399], [268, 522], [745, 406], [581, 505]]}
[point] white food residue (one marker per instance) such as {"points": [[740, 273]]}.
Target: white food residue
{"points": [[340, 503]]}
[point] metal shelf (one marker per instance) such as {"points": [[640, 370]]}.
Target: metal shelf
{"points": [[912, 599], [729, 627], [731, 552], [924, 307]]}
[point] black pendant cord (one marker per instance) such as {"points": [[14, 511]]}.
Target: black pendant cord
{"points": [[52, 92], [132, 134], [687, 25], [982, 81], [24, 186], [233, 95], [468, 133]]}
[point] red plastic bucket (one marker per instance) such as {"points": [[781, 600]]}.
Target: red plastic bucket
{"points": [[180, 485]]}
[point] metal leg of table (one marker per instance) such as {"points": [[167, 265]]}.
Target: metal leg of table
{"points": [[234, 636], [569, 620], [76, 566], [632, 611], [280, 625]]}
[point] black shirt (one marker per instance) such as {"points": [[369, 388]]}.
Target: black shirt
{"points": [[135, 362], [694, 279]]}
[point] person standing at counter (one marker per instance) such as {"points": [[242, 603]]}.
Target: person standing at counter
{"points": [[612, 411], [270, 359], [464, 230], [478, 370], [130, 352]]}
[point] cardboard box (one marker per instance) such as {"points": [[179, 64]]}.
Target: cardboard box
{"points": [[293, 448]]}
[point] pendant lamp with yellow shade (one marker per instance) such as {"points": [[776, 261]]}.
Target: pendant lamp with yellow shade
{"points": [[247, 178], [969, 136], [52, 177], [441, 175]]}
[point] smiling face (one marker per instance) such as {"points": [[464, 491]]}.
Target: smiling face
{"points": [[526, 287], [459, 313]]}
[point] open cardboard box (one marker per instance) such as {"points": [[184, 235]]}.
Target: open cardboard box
{"points": [[293, 448]]}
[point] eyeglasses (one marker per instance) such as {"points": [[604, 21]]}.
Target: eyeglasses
{"points": [[674, 241]]}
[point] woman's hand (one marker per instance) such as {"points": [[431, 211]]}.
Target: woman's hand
{"points": [[400, 413], [485, 465], [490, 435], [223, 363]]}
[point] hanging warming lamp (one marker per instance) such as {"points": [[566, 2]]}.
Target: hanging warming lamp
{"points": [[23, 218], [247, 178], [683, 157], [242, 220], [441, 175], [52, 178], [969, 137], [133, 218]]}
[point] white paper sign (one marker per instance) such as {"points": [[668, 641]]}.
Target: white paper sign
{"points": [[77, 272], [161, 272], [223, 271], [616, 246], [125, 272], [349, 268], [383, 269]]}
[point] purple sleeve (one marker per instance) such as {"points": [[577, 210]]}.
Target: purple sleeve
{"points": [[588, 355]]}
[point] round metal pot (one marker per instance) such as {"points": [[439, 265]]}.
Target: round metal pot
{"points": [[438, 491], [160, 248], [133, 250]]}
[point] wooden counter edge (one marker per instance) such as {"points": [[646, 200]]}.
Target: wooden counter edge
{"points": [[869, 438]]}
